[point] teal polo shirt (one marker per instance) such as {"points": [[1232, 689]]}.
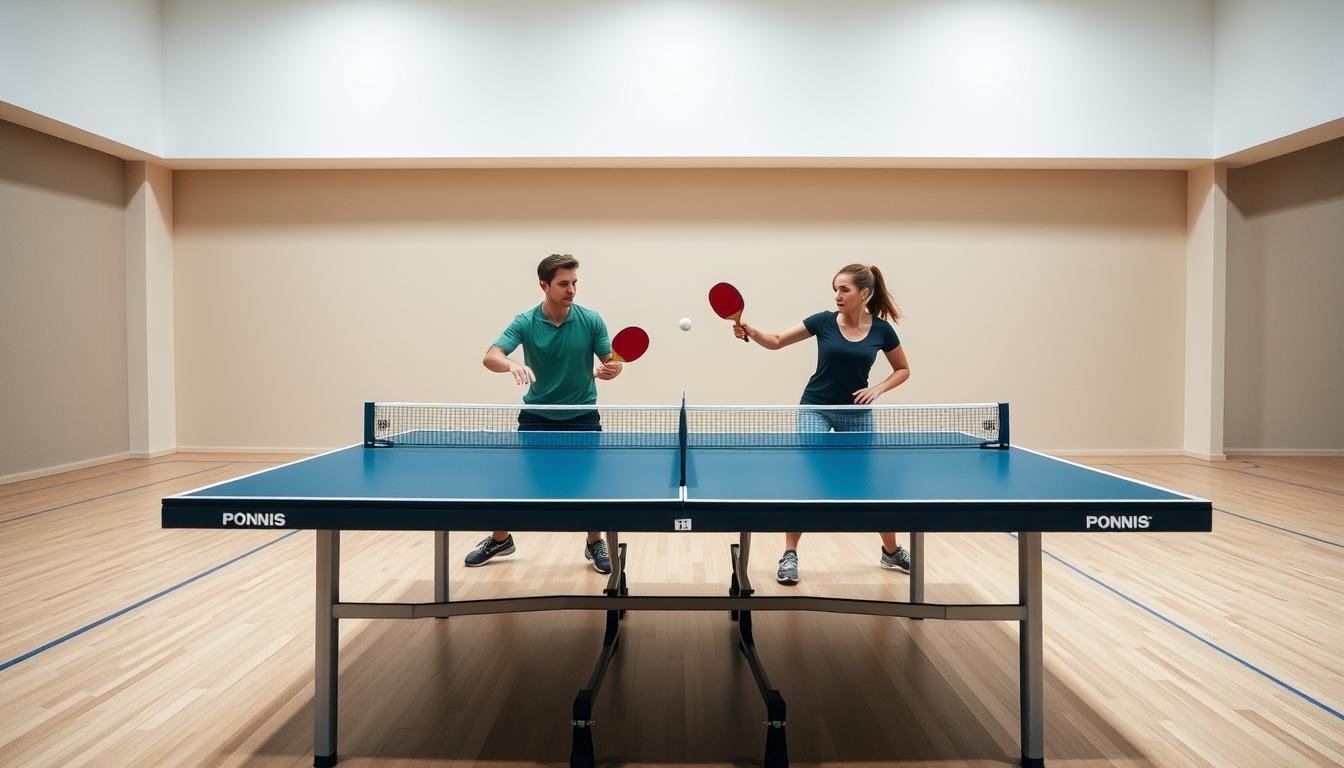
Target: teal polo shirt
{"points": [[560, 355]]}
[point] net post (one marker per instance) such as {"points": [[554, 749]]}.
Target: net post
{"points": [[368, 425], [1003, 425], [681, 437]]}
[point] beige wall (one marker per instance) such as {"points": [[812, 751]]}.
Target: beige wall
{"points": [[62, 304], [1285, 277], [299, 294], [151, 369], [1205, 310]]}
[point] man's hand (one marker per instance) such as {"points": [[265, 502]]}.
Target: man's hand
{"points": [[522, 375], [607, 371]]}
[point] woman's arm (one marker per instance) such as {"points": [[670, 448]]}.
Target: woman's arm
{"points": [[900, 372], [772, 340]]}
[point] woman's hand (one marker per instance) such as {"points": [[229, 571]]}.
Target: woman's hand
{"points": [[867, 395], [742, 331]]}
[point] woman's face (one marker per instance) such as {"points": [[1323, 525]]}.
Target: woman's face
{"points": [[847, 295]]}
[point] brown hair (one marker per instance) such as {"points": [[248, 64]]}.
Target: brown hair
{"points": [[554, 263], [869, 277]]}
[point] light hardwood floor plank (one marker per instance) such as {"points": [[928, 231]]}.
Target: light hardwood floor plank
{"points": [[219, 671]]}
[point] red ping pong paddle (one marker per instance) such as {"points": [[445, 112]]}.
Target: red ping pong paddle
{"points": [[630, 344], [726, 301]]}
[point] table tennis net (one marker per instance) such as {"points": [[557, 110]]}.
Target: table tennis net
{"points": [[485, 426]]}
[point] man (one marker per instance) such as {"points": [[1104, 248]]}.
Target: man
{"points": [[559, 340]]}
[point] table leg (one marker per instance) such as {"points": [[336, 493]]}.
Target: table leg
{"points": [[776, 740], [581, 754], [440, 566], [916, 566], [743, 560], [1030, 649], [325, 654], [613, 552]]}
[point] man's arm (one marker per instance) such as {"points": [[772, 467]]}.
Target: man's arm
{"points": [[497, 361], [609, 369]]}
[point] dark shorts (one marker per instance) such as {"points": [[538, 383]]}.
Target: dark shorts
{"points": [[585, 420]]}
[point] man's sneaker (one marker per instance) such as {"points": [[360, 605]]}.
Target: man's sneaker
{"points": [[788, 568], [488, 549], [597, 552], [896, 561]]}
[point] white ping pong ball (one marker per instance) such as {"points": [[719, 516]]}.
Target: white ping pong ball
{"points": [[684, 323]]}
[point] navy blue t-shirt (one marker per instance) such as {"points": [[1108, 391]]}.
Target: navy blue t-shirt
{"points": [[843, 365]]}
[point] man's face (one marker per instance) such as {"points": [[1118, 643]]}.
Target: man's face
{"points": [[562, 287]]}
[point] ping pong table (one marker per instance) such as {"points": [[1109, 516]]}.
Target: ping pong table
{"points": [[739, 469]]}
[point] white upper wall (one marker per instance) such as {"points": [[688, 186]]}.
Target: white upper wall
{"points": [[697, 78], [918, 79], [92, 64], [1279, 69]]}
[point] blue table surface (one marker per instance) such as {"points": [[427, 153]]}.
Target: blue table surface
{"points": [[422, 472], [616, 472], [900, 474]]}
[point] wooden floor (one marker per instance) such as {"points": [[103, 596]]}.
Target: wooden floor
{"points": [[195, 647]]}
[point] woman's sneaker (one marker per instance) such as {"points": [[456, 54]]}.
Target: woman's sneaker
{"points": [[896, 561], [489, 548], [597, 552], [788, 568]]}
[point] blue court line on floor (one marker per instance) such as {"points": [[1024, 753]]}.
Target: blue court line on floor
{"points": [[1236, 470], [1209, 643], [104, 496], [106, 475], [1257, 521], [1248, 518], [129, 608], [1308, 486]]}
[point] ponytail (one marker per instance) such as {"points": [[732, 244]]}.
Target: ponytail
{"points": [[869, 278], [880, 304]]}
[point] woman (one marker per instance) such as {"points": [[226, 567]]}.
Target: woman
{"points": [[848, 341]]}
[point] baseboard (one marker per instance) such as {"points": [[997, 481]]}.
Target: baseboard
{"points": [[1205, 456], [1285, 451], [33, 474], [71, 467], [236, 449], [1111, 451], [151, 454]]}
